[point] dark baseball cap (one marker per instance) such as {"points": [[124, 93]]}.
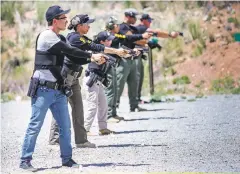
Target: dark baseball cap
{"points": [[104, 35], [131, 12], [55, 11], [146, 16]]}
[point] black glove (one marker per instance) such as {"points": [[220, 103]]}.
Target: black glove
{"points": [[153, 45]]}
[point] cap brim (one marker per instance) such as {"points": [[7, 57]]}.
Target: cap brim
{"points": [[65, 12], [90, 21], [146, 18], [111, 37]]}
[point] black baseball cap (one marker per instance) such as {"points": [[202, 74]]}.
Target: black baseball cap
{"points": [[131, 12], [146, 16], [104, 35], [55, 11]]}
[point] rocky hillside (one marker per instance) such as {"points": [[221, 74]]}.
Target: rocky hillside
{"points": [[207, 52]]}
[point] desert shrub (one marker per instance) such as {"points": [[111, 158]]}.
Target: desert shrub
{"points": [[8, 9], [225, 85], [197, 51], [195, 30], [181, 80], [211, 38]]}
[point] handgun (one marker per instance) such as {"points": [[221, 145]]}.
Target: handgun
{"points": [[131, 51]]}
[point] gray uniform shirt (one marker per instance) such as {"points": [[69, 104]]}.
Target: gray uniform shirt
{"points": [[45, 41]]}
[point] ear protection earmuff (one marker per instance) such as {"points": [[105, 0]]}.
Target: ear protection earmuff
{"points": [[75, 20], [111, 22]]}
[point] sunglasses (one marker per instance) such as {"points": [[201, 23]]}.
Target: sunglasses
{"points": [[61, 18]]}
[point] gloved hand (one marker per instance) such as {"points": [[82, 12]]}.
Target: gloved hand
{"points": [[153, 43]]}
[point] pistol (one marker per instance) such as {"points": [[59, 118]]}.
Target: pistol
{"points": [[131, 51]]}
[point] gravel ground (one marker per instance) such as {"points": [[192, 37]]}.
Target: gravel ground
{"points": [[199, 136]]}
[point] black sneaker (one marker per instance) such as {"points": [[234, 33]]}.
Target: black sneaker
{"points": [[26, 165], [71, 163], [137, 109], [142, 102]]}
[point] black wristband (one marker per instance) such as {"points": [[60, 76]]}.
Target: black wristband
{"points": [[169, 34]]}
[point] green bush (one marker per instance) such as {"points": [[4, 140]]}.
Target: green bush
{"points": [[161, 89], [224, 85], [174, 45], [173, 71], [41, 9], [200, 4], [236, 90], [167, 63], [235, 21], [202, 42], [127, 4], [197, 51], [195, 30], [183, 97], [209, 17], [181, 80], [3, 47], [191, 100], [5, 97], [173, 48], [8, 9]]}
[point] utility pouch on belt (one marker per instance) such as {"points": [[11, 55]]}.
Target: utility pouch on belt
{"points": [[33, 87]]}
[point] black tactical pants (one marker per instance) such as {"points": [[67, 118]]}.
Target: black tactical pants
{"points": [[77, 118]]}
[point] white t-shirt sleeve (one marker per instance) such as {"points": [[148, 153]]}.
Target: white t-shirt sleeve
{"points": [[46, 40]]}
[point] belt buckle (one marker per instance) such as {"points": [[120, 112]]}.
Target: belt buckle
{"points": [[56, 86]]}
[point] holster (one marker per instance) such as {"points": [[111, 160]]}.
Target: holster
{"points": [[92, 79], [70, 75], [33, 86]]}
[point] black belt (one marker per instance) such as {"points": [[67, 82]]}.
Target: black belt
{"points": [[51, 85]]}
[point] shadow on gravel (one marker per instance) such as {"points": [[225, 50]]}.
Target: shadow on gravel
{"points": [[133, 145], [158, 118], [170, 118], [137, 131], [149, 110], [113, 164], [42, 169]]}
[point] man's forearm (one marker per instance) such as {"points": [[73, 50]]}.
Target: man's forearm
{"points": [[110, 50], [142, 42], [72, 51], [162, 34]]}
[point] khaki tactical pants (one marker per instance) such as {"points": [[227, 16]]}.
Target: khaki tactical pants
{"points": [[77, 118], [96, 105]]}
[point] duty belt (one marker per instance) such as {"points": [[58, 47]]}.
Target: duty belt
{"points": [[51, 85]]}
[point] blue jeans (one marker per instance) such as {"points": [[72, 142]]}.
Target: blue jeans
{"points": [[57, 102]]}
